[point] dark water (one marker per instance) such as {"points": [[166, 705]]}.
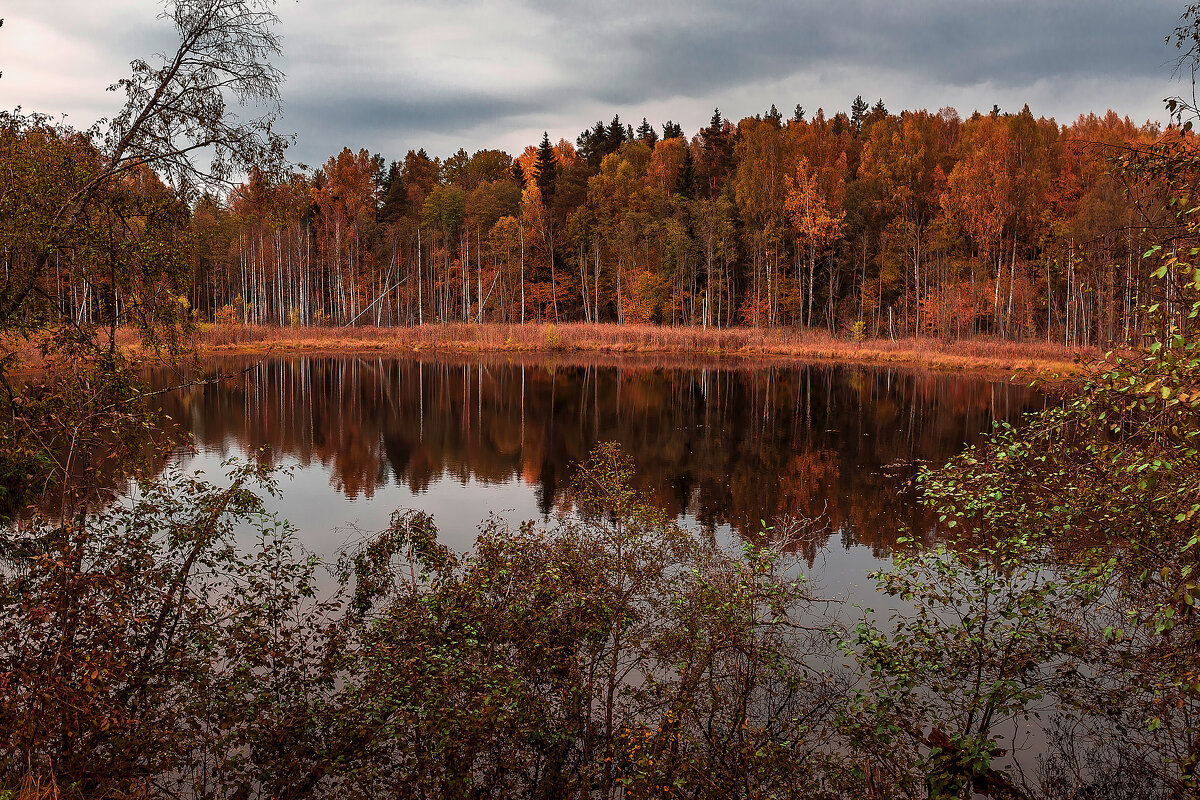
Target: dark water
{"points": [[724, 446]]}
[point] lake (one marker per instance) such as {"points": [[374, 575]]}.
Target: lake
{"points": [[725, 446]]}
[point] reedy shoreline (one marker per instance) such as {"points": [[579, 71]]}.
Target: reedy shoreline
{"points": [[609, 342], [981, 354]]}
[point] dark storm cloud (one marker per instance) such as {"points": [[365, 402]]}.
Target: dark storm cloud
{"points": [[566, 64], [694, 48], [441, 74], [369, 116]]}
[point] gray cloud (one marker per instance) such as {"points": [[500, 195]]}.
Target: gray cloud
{"points": [[495, 73], [720, 44]]}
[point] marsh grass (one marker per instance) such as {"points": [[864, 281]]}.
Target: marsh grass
{"points": [[982, 353]]}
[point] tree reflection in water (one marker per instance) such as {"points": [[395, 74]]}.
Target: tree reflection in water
{"points": [[726, 444]]}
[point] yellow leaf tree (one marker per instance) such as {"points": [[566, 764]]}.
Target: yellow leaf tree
{"points": [[816, 215]]}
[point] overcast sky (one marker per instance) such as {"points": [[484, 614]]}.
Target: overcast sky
{"points": [[444, 74]]}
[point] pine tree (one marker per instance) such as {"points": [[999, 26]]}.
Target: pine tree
{"points": [[715, 125], [646, 133], [394, 194], [672, 130], [858, 112], [718, 153], [615, 135], [547, 164], [379, 171], [686, 184], [592, 145], [878, 113]]}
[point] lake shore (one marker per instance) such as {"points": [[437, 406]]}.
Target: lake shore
{"points": [[649, 345], [980, 354]]}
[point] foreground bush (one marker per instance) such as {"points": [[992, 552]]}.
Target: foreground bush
{"points": [[145, 654]]}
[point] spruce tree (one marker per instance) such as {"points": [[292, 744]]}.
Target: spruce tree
{"points": [[616, 135], [858, 112], [547, 163], [646, 133], [715, 125], [379, 172], [718, 153], [394, 194], [592, 145], [686, 183]]}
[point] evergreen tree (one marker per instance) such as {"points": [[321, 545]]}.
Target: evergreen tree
{"points": [[672, 130], [592, 145], [858, 112], [384, 178], [686, 183], [378, 171], [616, 135], [394, 195], [878, 113], [718, 153], [547, 163], [774, 117], [646, 133], [798, 114]]}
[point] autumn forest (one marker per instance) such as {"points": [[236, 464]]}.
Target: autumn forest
{"points": [[868, 223]]}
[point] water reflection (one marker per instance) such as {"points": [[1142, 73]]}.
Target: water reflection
{"points": [[724, 445]]}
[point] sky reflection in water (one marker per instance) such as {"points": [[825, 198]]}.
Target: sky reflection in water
{"points": [[722, 445]]}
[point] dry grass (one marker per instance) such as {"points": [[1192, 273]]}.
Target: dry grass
{"points": [[28, 353], [980, 354], [30, 350]]}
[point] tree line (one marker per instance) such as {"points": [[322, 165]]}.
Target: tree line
{"points": [[912, 224], [873, 223]]}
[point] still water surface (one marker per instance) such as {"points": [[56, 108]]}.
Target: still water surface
{"points": [[723, 446]]}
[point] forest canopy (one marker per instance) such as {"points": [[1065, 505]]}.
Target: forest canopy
{"points": [[917, 223]]}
